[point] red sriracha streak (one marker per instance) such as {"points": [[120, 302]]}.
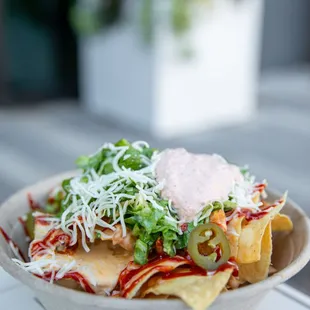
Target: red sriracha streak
{"points": [[264, 208], [230, 264], [259, 187], [218, 252], [163, 269], [76, 276], [126, 274], [41, 219], [250, 215], [196, 270], [10, 242], [193, 271], [50, 200], [53, 238], [34, 206], [73, 275]]}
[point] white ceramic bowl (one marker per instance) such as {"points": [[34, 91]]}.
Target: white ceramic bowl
{"points": [[291, 254]]}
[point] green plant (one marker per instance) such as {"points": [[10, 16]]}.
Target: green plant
{"points": [[89, 16]]}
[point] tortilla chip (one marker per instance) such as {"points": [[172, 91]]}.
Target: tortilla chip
{"points": [[197, 291], [258, 271], [281, 222], [256, 197], [233, 234], [250, 240], [132, 288], [218, 217]]}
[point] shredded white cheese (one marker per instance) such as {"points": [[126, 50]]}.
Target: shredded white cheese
{"points": [[242, 195], [45, 262]]}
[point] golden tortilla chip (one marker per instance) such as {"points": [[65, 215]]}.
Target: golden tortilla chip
{"points": [[197, 291], [256, 197], [132, 288], [233, 234], [218, 217], [258, 271], [252, 232], [281, 222]]}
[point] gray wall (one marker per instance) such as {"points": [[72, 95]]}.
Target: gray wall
{"points": [[286, 33]]}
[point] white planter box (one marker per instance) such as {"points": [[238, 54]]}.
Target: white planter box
{"points": [[154, 89]]}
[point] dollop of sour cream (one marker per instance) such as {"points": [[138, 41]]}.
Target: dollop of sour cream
{"points": [[192, 181]]}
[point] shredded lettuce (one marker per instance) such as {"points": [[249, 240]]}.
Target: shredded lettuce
{"points": [[141, 252], [229, 205], [244, 170], [182, 241], [133, 158], [54, 202], [146, 222]]}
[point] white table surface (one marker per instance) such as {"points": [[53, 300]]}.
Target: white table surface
{"points": [[16, 296]]}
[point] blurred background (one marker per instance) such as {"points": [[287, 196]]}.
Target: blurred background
{"points": [[224, 76]]}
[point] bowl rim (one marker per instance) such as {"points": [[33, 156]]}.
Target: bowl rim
{"points": [[87, 299]]}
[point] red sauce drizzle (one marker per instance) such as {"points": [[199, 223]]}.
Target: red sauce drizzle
{"points": [[230, 264], [50, 200], [164, 269], [34, 206], [40, 219], [218, 252], [10, 241], [196, 270], [250, 215], [259, 187], [53, 238], [193, 271], [75, 276], [168, 271], [128, 273]]}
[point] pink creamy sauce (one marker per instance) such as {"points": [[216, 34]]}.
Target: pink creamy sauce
{"points": [[191, 181]]}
